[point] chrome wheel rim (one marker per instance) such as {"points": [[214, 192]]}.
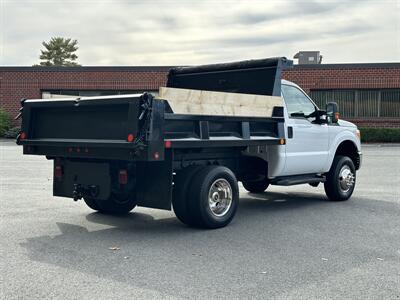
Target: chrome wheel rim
{"points": [[220, 197], [346, 178]]}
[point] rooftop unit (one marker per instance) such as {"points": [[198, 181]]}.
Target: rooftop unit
{"points": [[308, 57]]}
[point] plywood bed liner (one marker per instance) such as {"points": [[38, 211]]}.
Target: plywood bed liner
{"points": [[198, 102]]}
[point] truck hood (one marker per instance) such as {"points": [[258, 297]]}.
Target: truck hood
{"points": [[346, 124]]}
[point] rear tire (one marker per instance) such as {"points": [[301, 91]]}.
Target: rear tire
{"points": [[213, 197], [341, 179], [182, 181], [115, 205], [256, 186], [92, 203]]}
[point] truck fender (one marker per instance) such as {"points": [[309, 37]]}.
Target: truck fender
{"points": [[347, 144]]}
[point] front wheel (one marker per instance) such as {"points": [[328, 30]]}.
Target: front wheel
{"points": [[341, 179]]}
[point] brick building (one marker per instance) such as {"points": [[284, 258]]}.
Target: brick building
{"points": [[367, 94]]}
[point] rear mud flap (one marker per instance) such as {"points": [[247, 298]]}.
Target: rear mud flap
{"points": [[154, 183]]}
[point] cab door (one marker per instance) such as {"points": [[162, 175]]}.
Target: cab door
{"points": [[307, 142]]}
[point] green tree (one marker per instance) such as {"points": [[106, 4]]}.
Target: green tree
{"points": [[59, 52]]}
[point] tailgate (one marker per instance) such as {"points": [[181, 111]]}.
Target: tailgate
{"points": [[81, 127], [88, 122]]}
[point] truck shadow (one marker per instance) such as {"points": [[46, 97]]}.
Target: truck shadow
{"points": [[144, 241], [256, 205]]}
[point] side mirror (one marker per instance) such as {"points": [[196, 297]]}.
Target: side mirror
{"points": [[332, 112]]}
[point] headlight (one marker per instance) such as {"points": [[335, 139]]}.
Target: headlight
{"points": [[358, 133]]}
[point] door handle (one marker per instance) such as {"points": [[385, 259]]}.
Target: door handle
{"points": [[290, 132]]}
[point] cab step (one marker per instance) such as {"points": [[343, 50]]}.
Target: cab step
{"points": [[298, 179]]}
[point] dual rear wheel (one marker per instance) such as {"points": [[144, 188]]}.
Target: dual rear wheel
{"points": [[205, 197]]}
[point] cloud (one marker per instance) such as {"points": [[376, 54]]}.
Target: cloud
{"points": [[190, 32]]}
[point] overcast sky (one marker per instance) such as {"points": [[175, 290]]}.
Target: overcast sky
{"points": [[191, 32]]}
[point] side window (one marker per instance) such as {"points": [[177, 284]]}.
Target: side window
{"points": [[296, 102]]}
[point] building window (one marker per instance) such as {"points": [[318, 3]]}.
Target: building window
{"points": [[361, 103], [47, 94]]}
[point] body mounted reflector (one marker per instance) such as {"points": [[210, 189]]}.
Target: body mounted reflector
{"points": [[130, 138], [58, 172], [168, 144], [123, 177]]}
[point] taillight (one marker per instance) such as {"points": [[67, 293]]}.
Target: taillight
{"points": [[58, 172], [123, 177], [22, 136]]}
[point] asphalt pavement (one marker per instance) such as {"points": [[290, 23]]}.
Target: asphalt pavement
{"points": [[288, 243]]}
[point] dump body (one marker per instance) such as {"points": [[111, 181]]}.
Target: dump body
{"points": [[135, 127], [147, 141]]}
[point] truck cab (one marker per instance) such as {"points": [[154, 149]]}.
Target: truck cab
{"points": [[312, 137]]}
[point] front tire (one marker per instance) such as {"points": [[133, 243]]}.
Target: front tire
{"points": [[341, 179], [213, 197]]}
